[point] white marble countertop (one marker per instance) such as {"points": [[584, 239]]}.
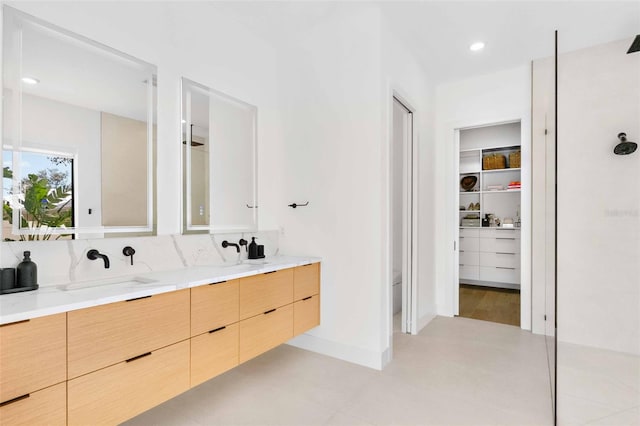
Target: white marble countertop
{"points": [[49, 300]]}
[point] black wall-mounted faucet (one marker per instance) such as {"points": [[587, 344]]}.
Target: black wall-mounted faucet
{"points": [[244, 243], [129, 251], [94, 254], [226, 244]]}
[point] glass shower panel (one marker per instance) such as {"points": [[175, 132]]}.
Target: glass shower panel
{"points": [[598, 276]]}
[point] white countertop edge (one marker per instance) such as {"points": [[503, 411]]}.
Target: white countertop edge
{"points": [[52, 300]]}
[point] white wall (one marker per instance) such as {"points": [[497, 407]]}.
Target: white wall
{"points": [[599, 198], [492, 98]]}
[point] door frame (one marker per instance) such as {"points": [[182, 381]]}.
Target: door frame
{"points": [[525, 210]]}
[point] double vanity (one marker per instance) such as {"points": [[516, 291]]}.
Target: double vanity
{"points": [[106, 351]]}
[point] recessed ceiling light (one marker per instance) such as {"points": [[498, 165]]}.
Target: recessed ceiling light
{"points": [[30, 80], [477, 46]]}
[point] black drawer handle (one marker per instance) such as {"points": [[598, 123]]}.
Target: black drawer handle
{"points": [[219, 282], [462, 264], [461, 238], [138, 357], [461, 251], [217, 329], [500, 252], [501, 238], [270, 272], [269, 311], [137, 298], [307, 298], [11, 401], [14, 323], [308, 264], [502, 267]]}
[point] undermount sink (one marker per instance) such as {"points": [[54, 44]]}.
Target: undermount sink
{"points": [[256, 262], [122, 281]]}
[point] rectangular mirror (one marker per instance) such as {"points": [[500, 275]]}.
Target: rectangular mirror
{"points": [[219, 161], [78, 135]]}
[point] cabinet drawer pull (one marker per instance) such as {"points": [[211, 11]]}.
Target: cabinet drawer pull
{"points": [[500, 252], [270, 272], [218, 282], [19, 398], [308, 264], [503, 238], [14, 323], [504, 267], [461, 251], [217, 329], [462, 264], [138, 357], [137, 298], [307, 298], [462, 238], [269, 311]]}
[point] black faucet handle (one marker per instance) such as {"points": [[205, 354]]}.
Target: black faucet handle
{"points": [[129, 251], [244, 243]]}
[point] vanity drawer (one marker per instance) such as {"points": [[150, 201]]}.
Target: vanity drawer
{"points": [[264, 292], [468, 232], [306, 314], [117, 393], [306, 281], [108, 334], [44, 407], [468, 258], [213, 353], [506, 260], [33, 355], [214, 306], [500, 274], [265, 331], [469, 244], [469, 272], [500, 245]]}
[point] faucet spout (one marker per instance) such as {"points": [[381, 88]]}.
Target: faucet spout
{"points": [[94, 254], [226, 244]]}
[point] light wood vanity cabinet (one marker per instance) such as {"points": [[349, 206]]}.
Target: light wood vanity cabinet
{"points": [[106, 364], [108, 334], [114, 394]]}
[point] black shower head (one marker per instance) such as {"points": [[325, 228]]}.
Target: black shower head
{"points": [[635, 46], [625, 147]]}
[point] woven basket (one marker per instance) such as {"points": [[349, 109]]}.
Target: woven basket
{"points": [[514, 160], [494, 161]]}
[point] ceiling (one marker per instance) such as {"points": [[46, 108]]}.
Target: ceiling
{"points": [[440, 32]]}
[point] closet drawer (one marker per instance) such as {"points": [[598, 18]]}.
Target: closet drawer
{"points": [[469, 272], [44, 407], [506, 260], [500, 274], [265, 331], [500, 245], [108, 334], [264, 292], [500, 232], [306, 281], [214, 306], [33, 355], [213, 353], [467, 232], [469, 244], [117, 393], [468, 258], [306, 314]]}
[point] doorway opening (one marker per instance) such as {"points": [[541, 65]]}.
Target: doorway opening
{"points": [[489, 241], [402, 216]]}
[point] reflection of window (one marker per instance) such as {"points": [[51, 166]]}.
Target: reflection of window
{"points": [[42, 205]]}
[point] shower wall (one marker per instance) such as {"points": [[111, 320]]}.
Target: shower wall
{"points": [[599, 198]]}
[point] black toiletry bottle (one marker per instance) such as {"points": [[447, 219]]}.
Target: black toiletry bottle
{"points": [[253, 249], [27, 272]]}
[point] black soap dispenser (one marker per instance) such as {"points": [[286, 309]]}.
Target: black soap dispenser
{"points": [[253, 249], [27, 272]]}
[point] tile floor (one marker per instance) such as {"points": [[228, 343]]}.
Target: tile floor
{"points": [[457, 371], [597, 387]]}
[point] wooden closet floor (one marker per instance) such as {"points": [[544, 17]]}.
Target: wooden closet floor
{"points": [[490, 304]]}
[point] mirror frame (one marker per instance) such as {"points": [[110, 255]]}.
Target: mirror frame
{"points": [[17, 22], [185, 163]]}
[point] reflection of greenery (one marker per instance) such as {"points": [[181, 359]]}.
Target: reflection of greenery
{"points": [[44, 207], [55, 177], [7, 173]]}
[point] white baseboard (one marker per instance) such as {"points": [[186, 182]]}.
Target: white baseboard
{"points": [[360, 356]]}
